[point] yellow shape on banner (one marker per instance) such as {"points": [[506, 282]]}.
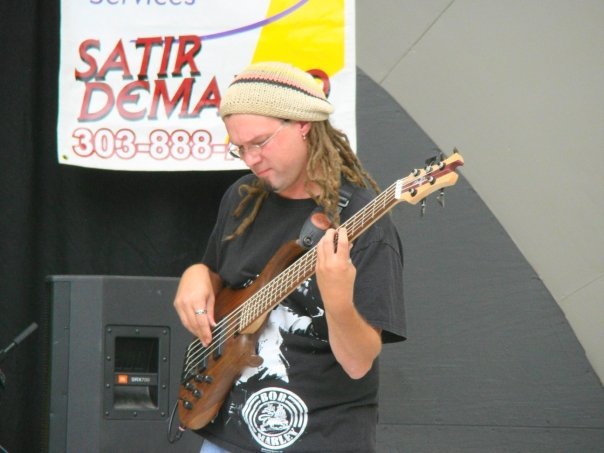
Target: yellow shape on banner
{"points": [[312, 36]]}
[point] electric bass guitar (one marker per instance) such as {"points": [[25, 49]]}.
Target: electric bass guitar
{"points": [[209, 372]]}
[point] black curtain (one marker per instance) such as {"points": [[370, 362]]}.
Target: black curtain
{"points": [[57, 219]]}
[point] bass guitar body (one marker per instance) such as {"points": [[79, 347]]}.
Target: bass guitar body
{"points": [[209, 372]]}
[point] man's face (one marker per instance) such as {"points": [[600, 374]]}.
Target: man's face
{"points": [[281, 160]]}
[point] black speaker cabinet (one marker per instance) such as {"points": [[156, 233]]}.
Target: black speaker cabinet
{"points": [[117, 349]]}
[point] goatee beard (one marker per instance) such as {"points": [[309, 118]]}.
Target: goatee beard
{"points": [[267, 185]]}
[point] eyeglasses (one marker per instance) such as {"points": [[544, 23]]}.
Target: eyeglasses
{"points": [[239, 151]]}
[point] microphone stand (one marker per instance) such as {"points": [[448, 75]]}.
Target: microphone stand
{"points": [[18, 339], [4, 352]]}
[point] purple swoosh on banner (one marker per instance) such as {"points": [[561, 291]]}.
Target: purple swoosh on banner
{"points": [[258, 24]]}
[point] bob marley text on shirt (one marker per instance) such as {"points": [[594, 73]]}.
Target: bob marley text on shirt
{"points": [[275, 417]]}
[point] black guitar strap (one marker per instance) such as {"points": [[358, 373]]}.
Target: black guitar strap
{"points": [[311, 234]]}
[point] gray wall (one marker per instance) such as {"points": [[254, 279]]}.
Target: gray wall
{"points": [[491, 364], [516, 85], [503, 286]]}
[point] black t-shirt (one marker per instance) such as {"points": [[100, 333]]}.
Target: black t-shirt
{"points": [[300, 399]]}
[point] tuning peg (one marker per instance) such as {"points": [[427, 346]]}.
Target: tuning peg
{"points": [[435, 160], [441, 197]]}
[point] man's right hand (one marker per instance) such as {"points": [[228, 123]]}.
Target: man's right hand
{"points": [[194, 300]]}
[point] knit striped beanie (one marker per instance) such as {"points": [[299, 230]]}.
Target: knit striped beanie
{"points": [[279, 90]]}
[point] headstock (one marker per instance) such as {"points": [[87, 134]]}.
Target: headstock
{"points": [[436, 175]]}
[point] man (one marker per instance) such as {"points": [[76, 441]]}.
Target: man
{"points": [[317, 388]]}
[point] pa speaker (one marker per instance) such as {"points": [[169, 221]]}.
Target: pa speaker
{"points": [[117, 348]]}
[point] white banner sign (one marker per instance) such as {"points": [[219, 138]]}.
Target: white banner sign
{"points": [[140, 80]]}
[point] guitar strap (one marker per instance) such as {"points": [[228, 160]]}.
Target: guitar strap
{"points": [[317, 223]]}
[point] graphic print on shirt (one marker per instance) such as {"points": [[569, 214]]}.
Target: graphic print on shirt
{"points": [[269, 344], [277, 417]]}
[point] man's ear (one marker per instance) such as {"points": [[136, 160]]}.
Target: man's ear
{"points": [[305, 127]]}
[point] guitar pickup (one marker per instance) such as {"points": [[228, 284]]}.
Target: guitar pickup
{"points": [[218, 342]]}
